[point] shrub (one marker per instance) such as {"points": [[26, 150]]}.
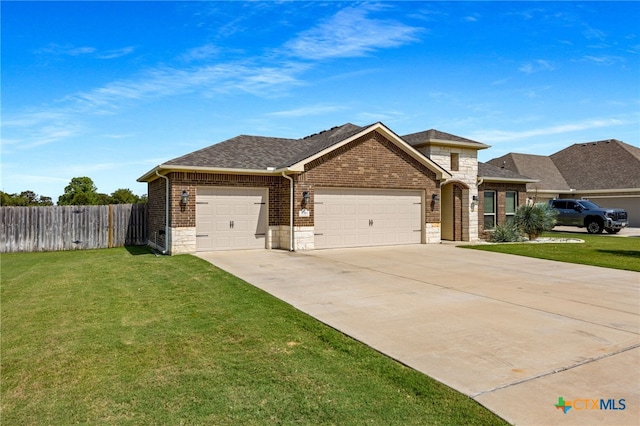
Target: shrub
{"points": [[505, 233], [534, 219]]}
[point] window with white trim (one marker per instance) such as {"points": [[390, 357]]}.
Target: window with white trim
{"points": [[489, 210], [510, 206]]}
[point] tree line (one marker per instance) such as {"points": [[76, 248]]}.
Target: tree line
{"points": [[81, 191]]}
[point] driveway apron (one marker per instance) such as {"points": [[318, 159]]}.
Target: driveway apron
{"points": [[513, 333]]}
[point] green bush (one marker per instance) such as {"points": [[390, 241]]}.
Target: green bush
{"points": [[534, 219], [505, 233]]}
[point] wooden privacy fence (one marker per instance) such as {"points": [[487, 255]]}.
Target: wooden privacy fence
{"points": [[25, 229]]}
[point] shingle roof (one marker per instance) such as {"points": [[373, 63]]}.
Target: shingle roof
{"points": [[488, 171], [433, 134], [536, 167], [260, 152], [320, 141], [607, 164], [241, 152]]}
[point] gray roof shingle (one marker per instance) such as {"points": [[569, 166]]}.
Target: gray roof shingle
{"points": [[260, 152], [607, 164], [486, 170], [433, 134], [538, 167], [320, 141]]}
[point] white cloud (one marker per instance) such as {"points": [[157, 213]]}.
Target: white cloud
{"points": [[200, 53], [536, 66], [115, 53], [68, 50], [604, 59], [493, 136], [350, 33], [308, 111]]}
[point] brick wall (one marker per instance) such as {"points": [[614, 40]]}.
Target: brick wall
{"points": [[156, 205], [368, 162], [185, 216], [501, 190]]}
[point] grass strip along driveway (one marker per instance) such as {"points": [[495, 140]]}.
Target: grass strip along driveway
{"points": [[122, 336], [597, 250]]}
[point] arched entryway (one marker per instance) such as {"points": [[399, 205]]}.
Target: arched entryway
{"points": [[455, 211]]}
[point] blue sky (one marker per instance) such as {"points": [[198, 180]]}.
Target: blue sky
{"points": [[111, 89]]}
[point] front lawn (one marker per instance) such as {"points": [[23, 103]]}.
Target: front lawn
{"points": [[121, 336], [597, 250]]}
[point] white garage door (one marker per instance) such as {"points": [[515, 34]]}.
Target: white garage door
{"points": [[365, 217], [230, 218], [630, 204]]}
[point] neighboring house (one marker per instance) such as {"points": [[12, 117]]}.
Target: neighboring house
{"points": [[349, 186], [607, 172]]}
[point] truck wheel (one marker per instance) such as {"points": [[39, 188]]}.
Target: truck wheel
{"points": [[612, 231], [594, 226]]}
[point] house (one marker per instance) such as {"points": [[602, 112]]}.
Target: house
{"points": [[607, 172], [349, 186]]}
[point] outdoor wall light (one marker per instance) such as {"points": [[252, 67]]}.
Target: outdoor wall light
{"points": [[184, 199], [435, 198], [306, 198], [475, 198]]}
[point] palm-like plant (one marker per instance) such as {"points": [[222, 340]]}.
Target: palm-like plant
{"points": [[534, 219]]}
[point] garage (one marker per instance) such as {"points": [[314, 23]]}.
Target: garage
{"points": [[630, 203], [230, 218], [367, 217]]}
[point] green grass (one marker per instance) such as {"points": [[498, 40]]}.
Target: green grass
{"points": [[124, 337], [597, 250]]}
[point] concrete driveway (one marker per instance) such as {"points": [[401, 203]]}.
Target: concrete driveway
{"points": [[511, 332]]}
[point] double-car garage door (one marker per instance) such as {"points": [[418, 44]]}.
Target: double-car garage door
{"points": [[236, 218], [365, 217]]}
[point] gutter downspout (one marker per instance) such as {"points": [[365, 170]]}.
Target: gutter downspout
{"points": [[166, 213], [290, 211]]}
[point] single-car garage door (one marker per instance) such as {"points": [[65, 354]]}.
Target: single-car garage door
{"points": [[366, 217], [230, 218]]}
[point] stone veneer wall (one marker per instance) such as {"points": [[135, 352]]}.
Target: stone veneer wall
{"points": [[467, 173], [183, 240]]}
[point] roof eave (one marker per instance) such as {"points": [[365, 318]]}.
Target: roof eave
{"points": [[164, 169], [458, 144], [506, 180]]}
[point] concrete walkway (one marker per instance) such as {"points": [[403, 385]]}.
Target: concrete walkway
{"points": [[511, 332]]}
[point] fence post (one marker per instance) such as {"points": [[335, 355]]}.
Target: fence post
{"points": [[110, 230]]}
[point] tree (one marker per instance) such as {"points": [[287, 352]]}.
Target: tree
{"points": [[81, 191], [124, 196], [533, 219], [25, 198]]}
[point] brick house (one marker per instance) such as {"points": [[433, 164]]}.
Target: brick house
{"points": [[607, 172], [349, 186]]}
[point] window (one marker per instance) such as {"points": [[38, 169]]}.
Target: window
{"points": [[489, 210], [455, 162], [511, 203]]}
